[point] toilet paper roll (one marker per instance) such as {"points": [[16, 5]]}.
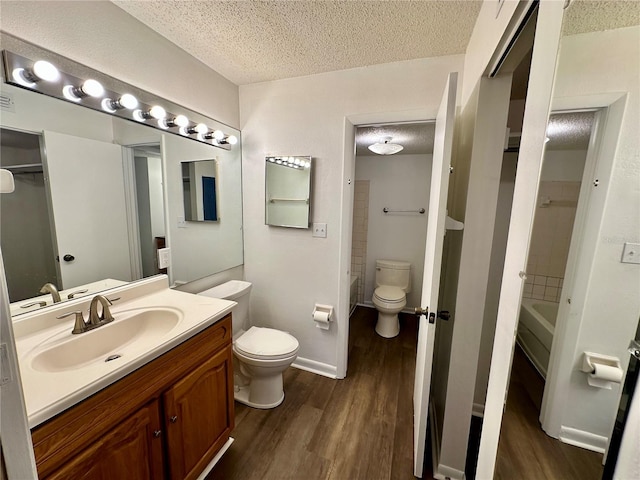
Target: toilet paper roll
{"points": [[604, 375], [606, 372], [321, 317]]}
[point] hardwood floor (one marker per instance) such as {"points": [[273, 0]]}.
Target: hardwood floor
{"points": [[356, 428], [525, 451]]}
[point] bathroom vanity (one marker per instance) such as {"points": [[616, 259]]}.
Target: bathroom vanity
{"points": [[163, 408]]}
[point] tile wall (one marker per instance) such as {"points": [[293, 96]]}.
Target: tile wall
{"points": [[360, 226], [550, 240]]}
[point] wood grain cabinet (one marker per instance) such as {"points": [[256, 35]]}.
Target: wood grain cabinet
{"points": [[166, 420]]}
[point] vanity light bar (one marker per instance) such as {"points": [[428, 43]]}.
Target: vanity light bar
{"points": [[43, 77], [291, 162]]}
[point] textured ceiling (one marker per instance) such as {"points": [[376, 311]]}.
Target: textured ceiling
{"points": [[584, 16], [569, 131], [255, 41], [416, 138]]}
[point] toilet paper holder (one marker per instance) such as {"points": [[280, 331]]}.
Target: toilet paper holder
{"points": [[322, 315], [602, 370]]}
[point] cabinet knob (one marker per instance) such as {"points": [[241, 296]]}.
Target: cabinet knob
{"points": [[157, 433], [174, 419]]}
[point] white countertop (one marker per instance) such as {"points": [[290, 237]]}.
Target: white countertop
{"points": [[48, 393]]}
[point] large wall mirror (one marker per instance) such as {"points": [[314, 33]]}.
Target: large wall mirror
{"points": [[97, 195], [288, 191]]}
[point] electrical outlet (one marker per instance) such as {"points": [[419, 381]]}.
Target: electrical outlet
{"points": [[320, 230], [631, 253], [164, 257], [181, 223]]}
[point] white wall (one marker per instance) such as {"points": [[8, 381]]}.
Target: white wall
{"points": [[102, 36], [563, 165], [289, 268], [398, 183], [596, 63]]}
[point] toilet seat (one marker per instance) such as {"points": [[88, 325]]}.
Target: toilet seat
{"points": [[389, 294], [266, 344]]}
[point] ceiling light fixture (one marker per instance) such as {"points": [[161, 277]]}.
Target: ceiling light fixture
{"points": [[386, 147], [44, 77]]}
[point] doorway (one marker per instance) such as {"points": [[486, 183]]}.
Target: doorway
{"points": [[561, 204], [390, 205], [26, 231]]}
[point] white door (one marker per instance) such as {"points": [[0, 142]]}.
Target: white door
{"points": [[86, 186], [432, 263]]}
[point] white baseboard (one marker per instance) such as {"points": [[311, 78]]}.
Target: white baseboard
{"points": [[447, 473], [582, 439], [318, 368], [216, 459], [477, 410]]}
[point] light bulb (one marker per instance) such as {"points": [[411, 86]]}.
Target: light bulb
{"points": [[218, 134], [296, 161], [181, 121], [92, 88], [201, 128], [232, 140], [157, 112], [46, 71], [20, 76], [69, 92], [271, 159], [279, 162], [184, 131], [128, 101], [125, 101]]}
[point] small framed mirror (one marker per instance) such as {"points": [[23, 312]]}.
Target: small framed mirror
{"points": [[288, 191], [200, 191]]}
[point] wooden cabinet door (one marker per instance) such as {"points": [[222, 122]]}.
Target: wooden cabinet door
{"points": [[132, 450], [199, 416]]}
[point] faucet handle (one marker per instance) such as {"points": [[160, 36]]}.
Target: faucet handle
{"points": [[29, 305], [77, 292], [80, 325]]}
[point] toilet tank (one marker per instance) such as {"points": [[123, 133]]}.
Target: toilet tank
{"points": [[237, 291], [394, 273]]}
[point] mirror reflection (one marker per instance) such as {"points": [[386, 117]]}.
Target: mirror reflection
{"points": [[288, 191], [580, 296], [200, 192], [96, 197]]}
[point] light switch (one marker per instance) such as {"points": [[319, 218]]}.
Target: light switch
{"points": [[320, 230], [631, 253], [164, 257], [181, 223]]}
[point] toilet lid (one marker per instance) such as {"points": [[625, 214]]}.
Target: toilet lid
{"points": [[389, 294], [266, 342]]}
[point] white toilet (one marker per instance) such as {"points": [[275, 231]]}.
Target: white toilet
{"points": [[393, 282], [260, 354]]}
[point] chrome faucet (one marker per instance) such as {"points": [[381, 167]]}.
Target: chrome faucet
{"points": [[96, 318], [53, 290]]}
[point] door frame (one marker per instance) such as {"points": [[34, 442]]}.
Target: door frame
{"points": [[346, 217], [599, 164]]}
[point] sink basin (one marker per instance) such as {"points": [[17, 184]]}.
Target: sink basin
{"points": [[131, 329]]}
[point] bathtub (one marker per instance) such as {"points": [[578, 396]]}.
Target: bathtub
{"points": [[353, 294], [535, 331]]}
